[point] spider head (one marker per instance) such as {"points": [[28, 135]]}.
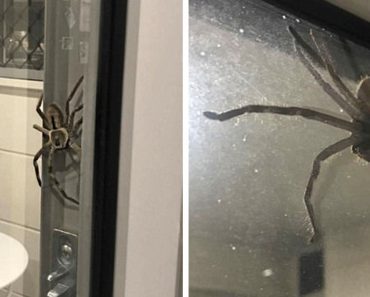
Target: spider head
{"points": [[362, 150], [59, 138]]}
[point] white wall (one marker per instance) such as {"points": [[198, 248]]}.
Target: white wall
{"points": [[20, 193], [151, 152]]}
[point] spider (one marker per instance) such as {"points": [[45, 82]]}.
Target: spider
{"points": [[61, 132], [356, 106]]}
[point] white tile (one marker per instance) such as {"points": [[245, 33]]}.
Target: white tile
{"points": [[20, 193], [28, 284], [20, 84], [18, 114], [4, 292]]}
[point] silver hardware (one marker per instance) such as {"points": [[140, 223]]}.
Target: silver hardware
{"points": [[57, 274], [64, 264], [66, 254], [61, 289]]}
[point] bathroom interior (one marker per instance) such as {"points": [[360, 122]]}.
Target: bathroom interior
{"points": [[49, 61]]}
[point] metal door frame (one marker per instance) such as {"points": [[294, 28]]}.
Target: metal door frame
{"points": [[112, 34]]}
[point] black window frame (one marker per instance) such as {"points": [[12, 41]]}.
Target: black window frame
{"points": [[109, 90], [329, 16]]}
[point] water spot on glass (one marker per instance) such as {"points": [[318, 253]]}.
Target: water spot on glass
{"points": [[256, 170], [298, 20], [284, 17], [341, 110], [218, 45], [267, 272], [219, 201], [202, 54], [245, 138], [241, 30], [233, 247], [285, 214]]}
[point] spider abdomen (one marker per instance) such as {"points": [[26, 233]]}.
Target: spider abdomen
{"points": [[54, 115]]}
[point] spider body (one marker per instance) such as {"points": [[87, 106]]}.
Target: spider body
{"points": [[357, 107], [61, 132], [362, 150], [58, 135]]}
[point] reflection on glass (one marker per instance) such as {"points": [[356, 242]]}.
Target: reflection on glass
{"points": [[22, 34], [277, 196]]}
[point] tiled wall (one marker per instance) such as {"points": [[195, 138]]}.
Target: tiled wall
{"points": [[19, 191]]}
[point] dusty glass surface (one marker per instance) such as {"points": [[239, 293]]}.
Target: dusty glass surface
{"points": [[249, 228]]}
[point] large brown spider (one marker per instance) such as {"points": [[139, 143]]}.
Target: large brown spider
{"points": [[356, 106], [61, 131]]}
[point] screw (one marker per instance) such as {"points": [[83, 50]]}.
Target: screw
{"points": [[66, 253]]}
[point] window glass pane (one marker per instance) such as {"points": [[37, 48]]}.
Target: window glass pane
{"points": [[250, 228]]}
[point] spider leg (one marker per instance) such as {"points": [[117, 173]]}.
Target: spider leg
{"points": [[72, 117], [325, 154], [354, 112], [55, 180], [75, 130], [323, 52], [310, 51], [76, 149], [41, 129], [289, 111], [41, 113], [35, 159], [71, 95]]}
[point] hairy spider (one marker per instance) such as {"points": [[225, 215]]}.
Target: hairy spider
{"points": [[61, 132], [356, 106]]}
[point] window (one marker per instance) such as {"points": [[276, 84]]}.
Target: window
{"points": [[22, 38]]}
